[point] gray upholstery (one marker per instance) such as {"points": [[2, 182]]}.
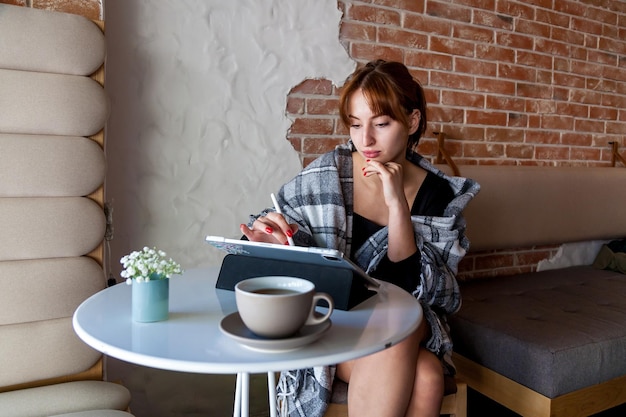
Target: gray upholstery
{"points": [[553, 331], [52, 171]]}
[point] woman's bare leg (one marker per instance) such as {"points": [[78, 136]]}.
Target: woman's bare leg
{"points": [[428, 387], [384, 384]]}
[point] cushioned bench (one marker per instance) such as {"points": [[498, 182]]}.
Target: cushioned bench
{"points": [[549, 343], [52, 171]]}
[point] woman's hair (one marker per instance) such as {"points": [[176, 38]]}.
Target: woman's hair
{"points": [[390, 90]]}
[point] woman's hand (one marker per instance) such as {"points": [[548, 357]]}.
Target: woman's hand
{"points": [[401, 236], [391, 177], [272, 228]]}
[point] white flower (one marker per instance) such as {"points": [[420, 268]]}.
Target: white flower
{"points": [[148, 264]]}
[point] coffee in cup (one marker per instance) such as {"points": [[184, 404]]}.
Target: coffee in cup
{"points": [[278, 306]]}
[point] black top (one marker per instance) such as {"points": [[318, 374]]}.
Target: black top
{"points": [[432, 198]]}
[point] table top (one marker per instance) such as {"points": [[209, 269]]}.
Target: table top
{"points": [[191, 339]]}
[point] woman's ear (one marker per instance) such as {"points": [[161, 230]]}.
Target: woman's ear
{"points": [[414, 121]]}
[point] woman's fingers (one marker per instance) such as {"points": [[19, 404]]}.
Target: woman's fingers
{"points": [[272, 228]]}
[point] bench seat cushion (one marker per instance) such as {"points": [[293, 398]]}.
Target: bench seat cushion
{"points": [[553, 331], [65, 398]]}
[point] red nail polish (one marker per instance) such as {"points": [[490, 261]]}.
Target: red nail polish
{"points": [[269, 230], [289, 234]]}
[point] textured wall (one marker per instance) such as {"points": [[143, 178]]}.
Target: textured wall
{"points": [[196, 140]]}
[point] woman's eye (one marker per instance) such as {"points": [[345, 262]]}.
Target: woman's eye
{"points": [[355, 126], [382, 124]]}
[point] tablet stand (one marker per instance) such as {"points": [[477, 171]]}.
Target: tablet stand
{"points": [[345, 286]]}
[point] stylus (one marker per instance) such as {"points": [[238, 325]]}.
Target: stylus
{"points": [[279, 211]]}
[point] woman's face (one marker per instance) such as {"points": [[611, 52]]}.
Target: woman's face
{"points": [[376, 137]]}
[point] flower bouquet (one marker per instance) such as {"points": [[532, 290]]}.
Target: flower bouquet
{"points": [[148, 264], [150, 269]]}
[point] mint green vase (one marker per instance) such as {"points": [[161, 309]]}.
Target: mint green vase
{"points": [[151, 300]]}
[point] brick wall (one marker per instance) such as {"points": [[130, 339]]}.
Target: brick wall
{"points": [[91, 9], [538, 82], [535, 82]]}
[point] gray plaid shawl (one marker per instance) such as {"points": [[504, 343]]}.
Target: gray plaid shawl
{"points": [[320, 201]]}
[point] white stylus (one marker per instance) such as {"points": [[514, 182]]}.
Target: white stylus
{"points": [[279, 211]]}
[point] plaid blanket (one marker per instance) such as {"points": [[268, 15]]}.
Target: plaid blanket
{"points": [[320, 201]]}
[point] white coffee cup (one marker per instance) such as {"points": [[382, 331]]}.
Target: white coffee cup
{"points": [[278, 306]]}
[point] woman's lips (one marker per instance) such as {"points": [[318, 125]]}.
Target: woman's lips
{"points": [[371, 154]]}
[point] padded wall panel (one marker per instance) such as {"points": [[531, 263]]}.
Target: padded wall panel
{"points": [[34, 228], [51, 104], [46, 288], [73, 399], [42, 350], [53, 42], [560, 204], [39, 166]]}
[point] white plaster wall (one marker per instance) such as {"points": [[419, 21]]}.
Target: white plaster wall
{"points": [[196, 139]]}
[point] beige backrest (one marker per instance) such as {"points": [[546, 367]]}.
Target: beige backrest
{"points": [[52, 168], [524, 206]]}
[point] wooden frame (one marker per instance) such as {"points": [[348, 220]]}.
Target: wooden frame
{"points": [[529, 403]]}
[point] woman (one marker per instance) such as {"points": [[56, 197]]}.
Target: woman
{"points": [[400, 219]]}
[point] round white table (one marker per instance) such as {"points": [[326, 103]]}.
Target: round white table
{"points": [[191, 339]]}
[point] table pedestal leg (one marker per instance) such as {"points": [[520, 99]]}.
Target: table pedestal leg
{"points": [[242, 395], [271, 391]]}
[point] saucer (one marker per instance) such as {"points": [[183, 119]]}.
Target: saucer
{"points": [[233, 327]]}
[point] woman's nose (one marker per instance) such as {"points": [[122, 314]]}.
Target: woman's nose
{"points": [[367, 136]]}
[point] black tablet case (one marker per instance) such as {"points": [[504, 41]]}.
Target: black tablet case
{"points": [[344, 285]]}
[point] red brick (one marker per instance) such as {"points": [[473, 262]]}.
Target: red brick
{"points": [[451, 46], [424, 59], [576, 139], [489, 118], [444, 114], [369, 52], [483, 150], [318, 146], [295, 105], [428, 24], [475, 67], [357, 31], [501, 134], [473, 33], [371, 14], [589, 126], [552, 18], [552, 153], [463, 99], [448, 11], [513, 151], [402, 38], [495, 53], [451, 80], [322, 126], [493, 20], [322, 106], [409, 5], [313, 87], [557, 122], [516, 9], [514, 104]]}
